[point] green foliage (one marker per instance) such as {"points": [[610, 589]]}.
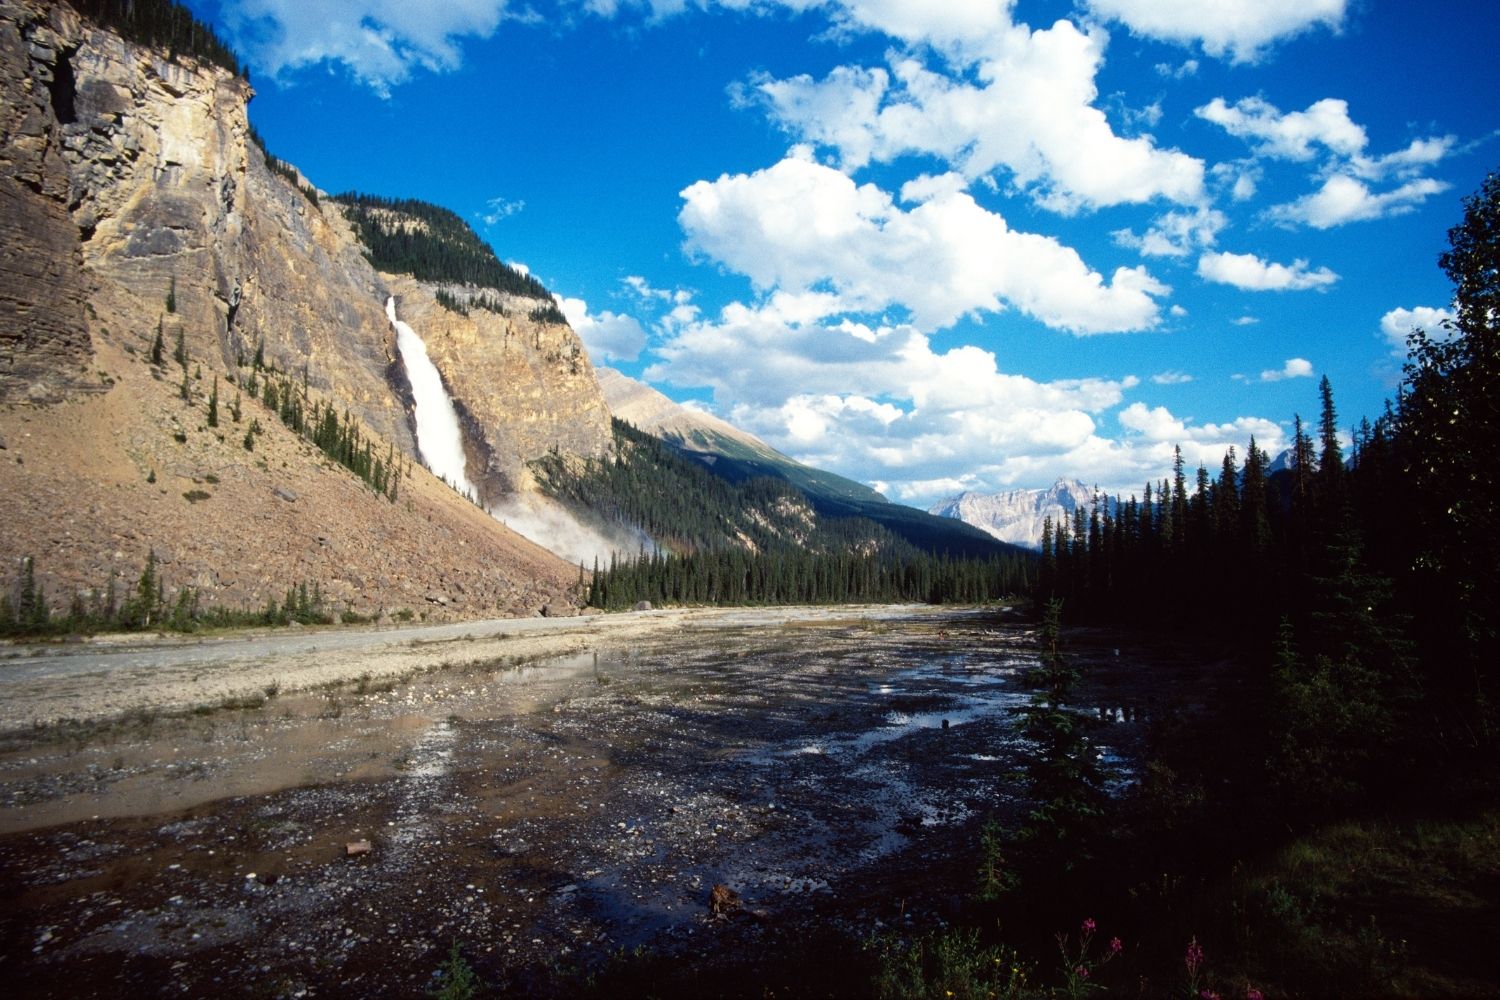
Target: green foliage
{"points": [[457, 979], [24, 608], [286, 171], [949, 964], [406, 236], [752, 542], [462, 302], [1062, 780], [179, 352], [338, 436], [172, 295], [549, 313], [1445, 438], [162, 24], [157, 346], [213, 404]]}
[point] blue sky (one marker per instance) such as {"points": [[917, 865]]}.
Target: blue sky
{"points": [[931, 246]]}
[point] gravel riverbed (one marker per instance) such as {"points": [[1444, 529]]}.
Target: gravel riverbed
{"points": [[831, 769]]}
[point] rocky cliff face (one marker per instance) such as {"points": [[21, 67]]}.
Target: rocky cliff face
{"points": [[1017, 516], [133, 199], [45, 347], [131, 181], [522, 387]]}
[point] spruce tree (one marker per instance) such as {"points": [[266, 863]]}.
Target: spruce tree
{"points": [[157, 346], [213, 404], [179, 353]]}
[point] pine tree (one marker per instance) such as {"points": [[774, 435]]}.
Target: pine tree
{"points": [[172, 295], [1331, 457], [179, 353], [157, 345], [213, 404]]}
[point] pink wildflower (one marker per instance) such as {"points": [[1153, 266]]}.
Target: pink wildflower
{"points": [[1115, 947], [1251, 993], [1088, 925], [1194, 959], [1082, 972]]}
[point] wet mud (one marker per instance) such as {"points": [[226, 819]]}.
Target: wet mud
{"points": [[834, 776]]}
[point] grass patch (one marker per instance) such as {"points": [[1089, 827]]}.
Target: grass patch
{"points": [[1377, 907]]}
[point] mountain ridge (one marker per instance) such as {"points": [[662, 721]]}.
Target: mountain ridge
{"points": [[1018, 516]]}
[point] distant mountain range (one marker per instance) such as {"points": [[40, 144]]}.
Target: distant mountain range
{"points": [[1017, 516], [737, 456]]}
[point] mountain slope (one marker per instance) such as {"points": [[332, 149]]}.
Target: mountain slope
{"points": [[137, 207], [738, 457], [732, 453]]}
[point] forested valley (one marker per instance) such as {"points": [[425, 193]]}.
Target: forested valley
{"points": [[757, 541]]}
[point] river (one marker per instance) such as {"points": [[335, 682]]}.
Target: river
{"points": [[831, 773]]}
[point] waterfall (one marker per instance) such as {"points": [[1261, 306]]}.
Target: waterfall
{"points": [[440, 442]]}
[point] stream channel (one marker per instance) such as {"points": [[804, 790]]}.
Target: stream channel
{"points": [[834, 775]]}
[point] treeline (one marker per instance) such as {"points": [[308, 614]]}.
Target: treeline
{"points": [[163, 24], [736, 576], [461, 304], [441, 247], [148, 605], [646, 485], [758, 541], [283, 169], [339, 436], [1366, 584]]}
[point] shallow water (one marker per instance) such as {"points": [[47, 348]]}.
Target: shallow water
{"points": [[542, 814]]}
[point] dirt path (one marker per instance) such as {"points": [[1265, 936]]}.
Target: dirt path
{"points": [[114, 677]]}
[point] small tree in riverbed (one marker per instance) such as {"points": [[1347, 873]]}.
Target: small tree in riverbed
{"points": [[1062, 778]]}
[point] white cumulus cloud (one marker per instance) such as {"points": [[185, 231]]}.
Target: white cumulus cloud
{"points": [[881, 403], [1239, 29], [1399, 323], [608, 336], [1249, 272], [1176, 234], [380, 41], [1344, 199], [799, 226], [1294, 368], [1025, 110], [1325, 131], [1293, 135]]}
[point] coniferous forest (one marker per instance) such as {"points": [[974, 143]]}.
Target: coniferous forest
{"points": [[164, 24], [407, 236], [1364, 578], [758, 541], [1303, 820]]}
